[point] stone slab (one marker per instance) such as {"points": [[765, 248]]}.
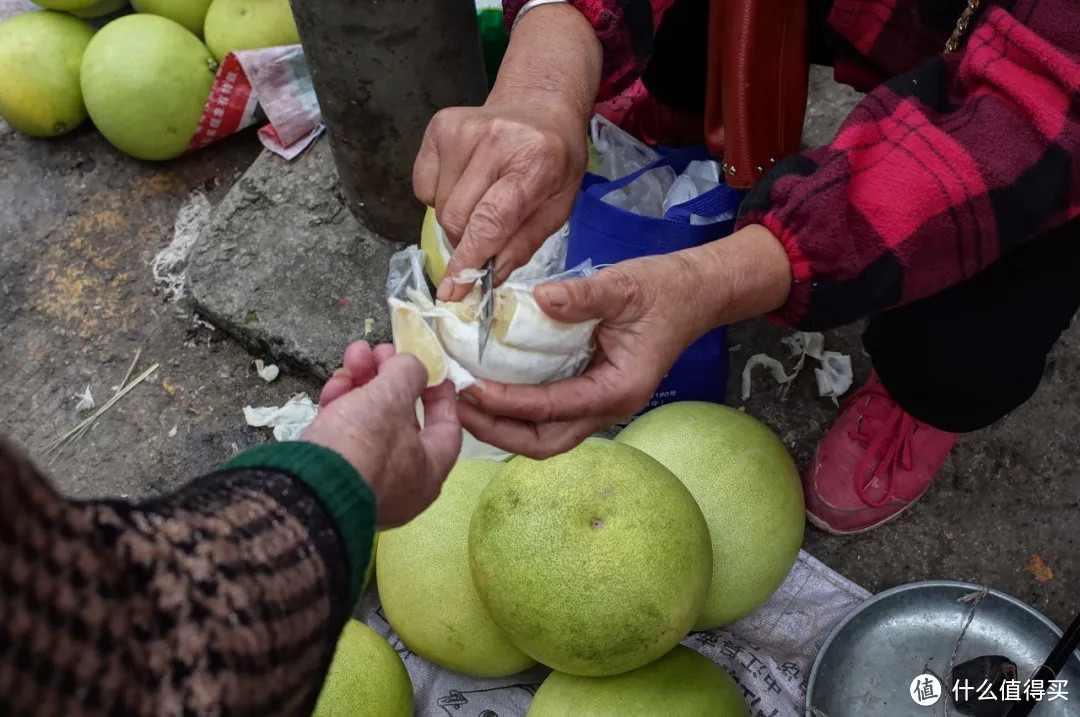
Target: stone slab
{"points": [[286, 268]]}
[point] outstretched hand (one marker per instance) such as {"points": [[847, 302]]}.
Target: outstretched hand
{"points": [[367, 414], [643, 329]]}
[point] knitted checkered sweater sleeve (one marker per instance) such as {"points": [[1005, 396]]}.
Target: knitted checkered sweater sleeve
{"points": [[226, 597]]}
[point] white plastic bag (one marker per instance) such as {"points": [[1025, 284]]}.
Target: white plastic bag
{"points": [[615, 153], [525, 346]]}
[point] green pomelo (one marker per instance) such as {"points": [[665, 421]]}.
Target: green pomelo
{"points": [[248, 24], [426, 588], [145, 80], [594, 562], [100, 9], [366, 678], [189, 13], [681, 683], [748, 488], [40, 56], [65, 5]]}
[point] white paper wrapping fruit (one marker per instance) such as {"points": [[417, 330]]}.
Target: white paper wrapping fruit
{"points": [[525, 346], [769, 653]]}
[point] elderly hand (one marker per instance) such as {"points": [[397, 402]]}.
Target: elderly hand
{"points": [[367, 414], [650, 309], [502, 178]]}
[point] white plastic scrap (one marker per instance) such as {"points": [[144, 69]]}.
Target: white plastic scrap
{"points": [[833, 378], [169, 263], [775, 368], [266, 372], [86, 400], [288, 421]]}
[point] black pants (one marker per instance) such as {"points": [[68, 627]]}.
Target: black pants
{"points": [[958, 360], [963, 358]]}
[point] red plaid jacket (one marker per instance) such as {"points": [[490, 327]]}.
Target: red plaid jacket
{"points": [[948, 163]]}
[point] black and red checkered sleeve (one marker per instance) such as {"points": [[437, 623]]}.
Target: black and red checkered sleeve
{"points": [[936, 173], [626, 29]]}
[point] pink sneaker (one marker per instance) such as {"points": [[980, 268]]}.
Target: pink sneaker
{"points": [[873, 463]]}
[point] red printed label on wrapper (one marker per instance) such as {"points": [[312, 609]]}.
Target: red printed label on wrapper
{"points": [[230, 108]]}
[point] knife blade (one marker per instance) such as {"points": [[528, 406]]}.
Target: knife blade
{"points": [[487, 307]]}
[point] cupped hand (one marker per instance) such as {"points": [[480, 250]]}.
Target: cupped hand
{"points": [[644, 327], [367, 414], [502, 178]]}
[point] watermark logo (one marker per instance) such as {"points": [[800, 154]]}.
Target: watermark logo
{"points": [[925, 690], [1012, 691]]}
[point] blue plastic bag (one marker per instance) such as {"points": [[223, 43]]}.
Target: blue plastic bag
{"points": [[607, 234]]}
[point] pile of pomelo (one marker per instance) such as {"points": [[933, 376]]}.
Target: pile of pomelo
{"points": [[596, 563], [143, 79]]}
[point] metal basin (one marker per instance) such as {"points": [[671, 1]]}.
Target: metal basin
{"points": [[866, 666]]}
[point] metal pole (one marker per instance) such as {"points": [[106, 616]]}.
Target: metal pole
{"points": [[381, 69]]}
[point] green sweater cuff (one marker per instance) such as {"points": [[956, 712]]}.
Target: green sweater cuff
{"points": [[339, 487]]}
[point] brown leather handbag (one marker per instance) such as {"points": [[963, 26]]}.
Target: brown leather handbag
{"points": [[757, 84]]}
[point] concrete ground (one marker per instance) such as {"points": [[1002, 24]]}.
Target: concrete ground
{"points": [[79, 224]]}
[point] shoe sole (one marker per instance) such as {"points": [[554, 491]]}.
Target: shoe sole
{"points": [[824, 527]]}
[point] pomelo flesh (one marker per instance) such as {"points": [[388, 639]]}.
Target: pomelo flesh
{"points": [[189, 13], [435, 266], [232, 25], [742, 476], [41, 54], [426, 588], [594, 562], [681, 683], [366, 678], [145, 80]]}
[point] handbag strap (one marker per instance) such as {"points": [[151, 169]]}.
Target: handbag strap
{"points": [[757, 86]]}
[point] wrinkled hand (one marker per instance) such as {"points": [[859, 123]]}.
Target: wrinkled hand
{"points": [[502, 178], [367, 414], [644, 327]]}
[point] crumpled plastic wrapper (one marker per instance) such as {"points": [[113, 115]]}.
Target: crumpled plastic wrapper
{"points": [[288, 421], [86, 400], [266, 372], [834, 377], [525, 346]]}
